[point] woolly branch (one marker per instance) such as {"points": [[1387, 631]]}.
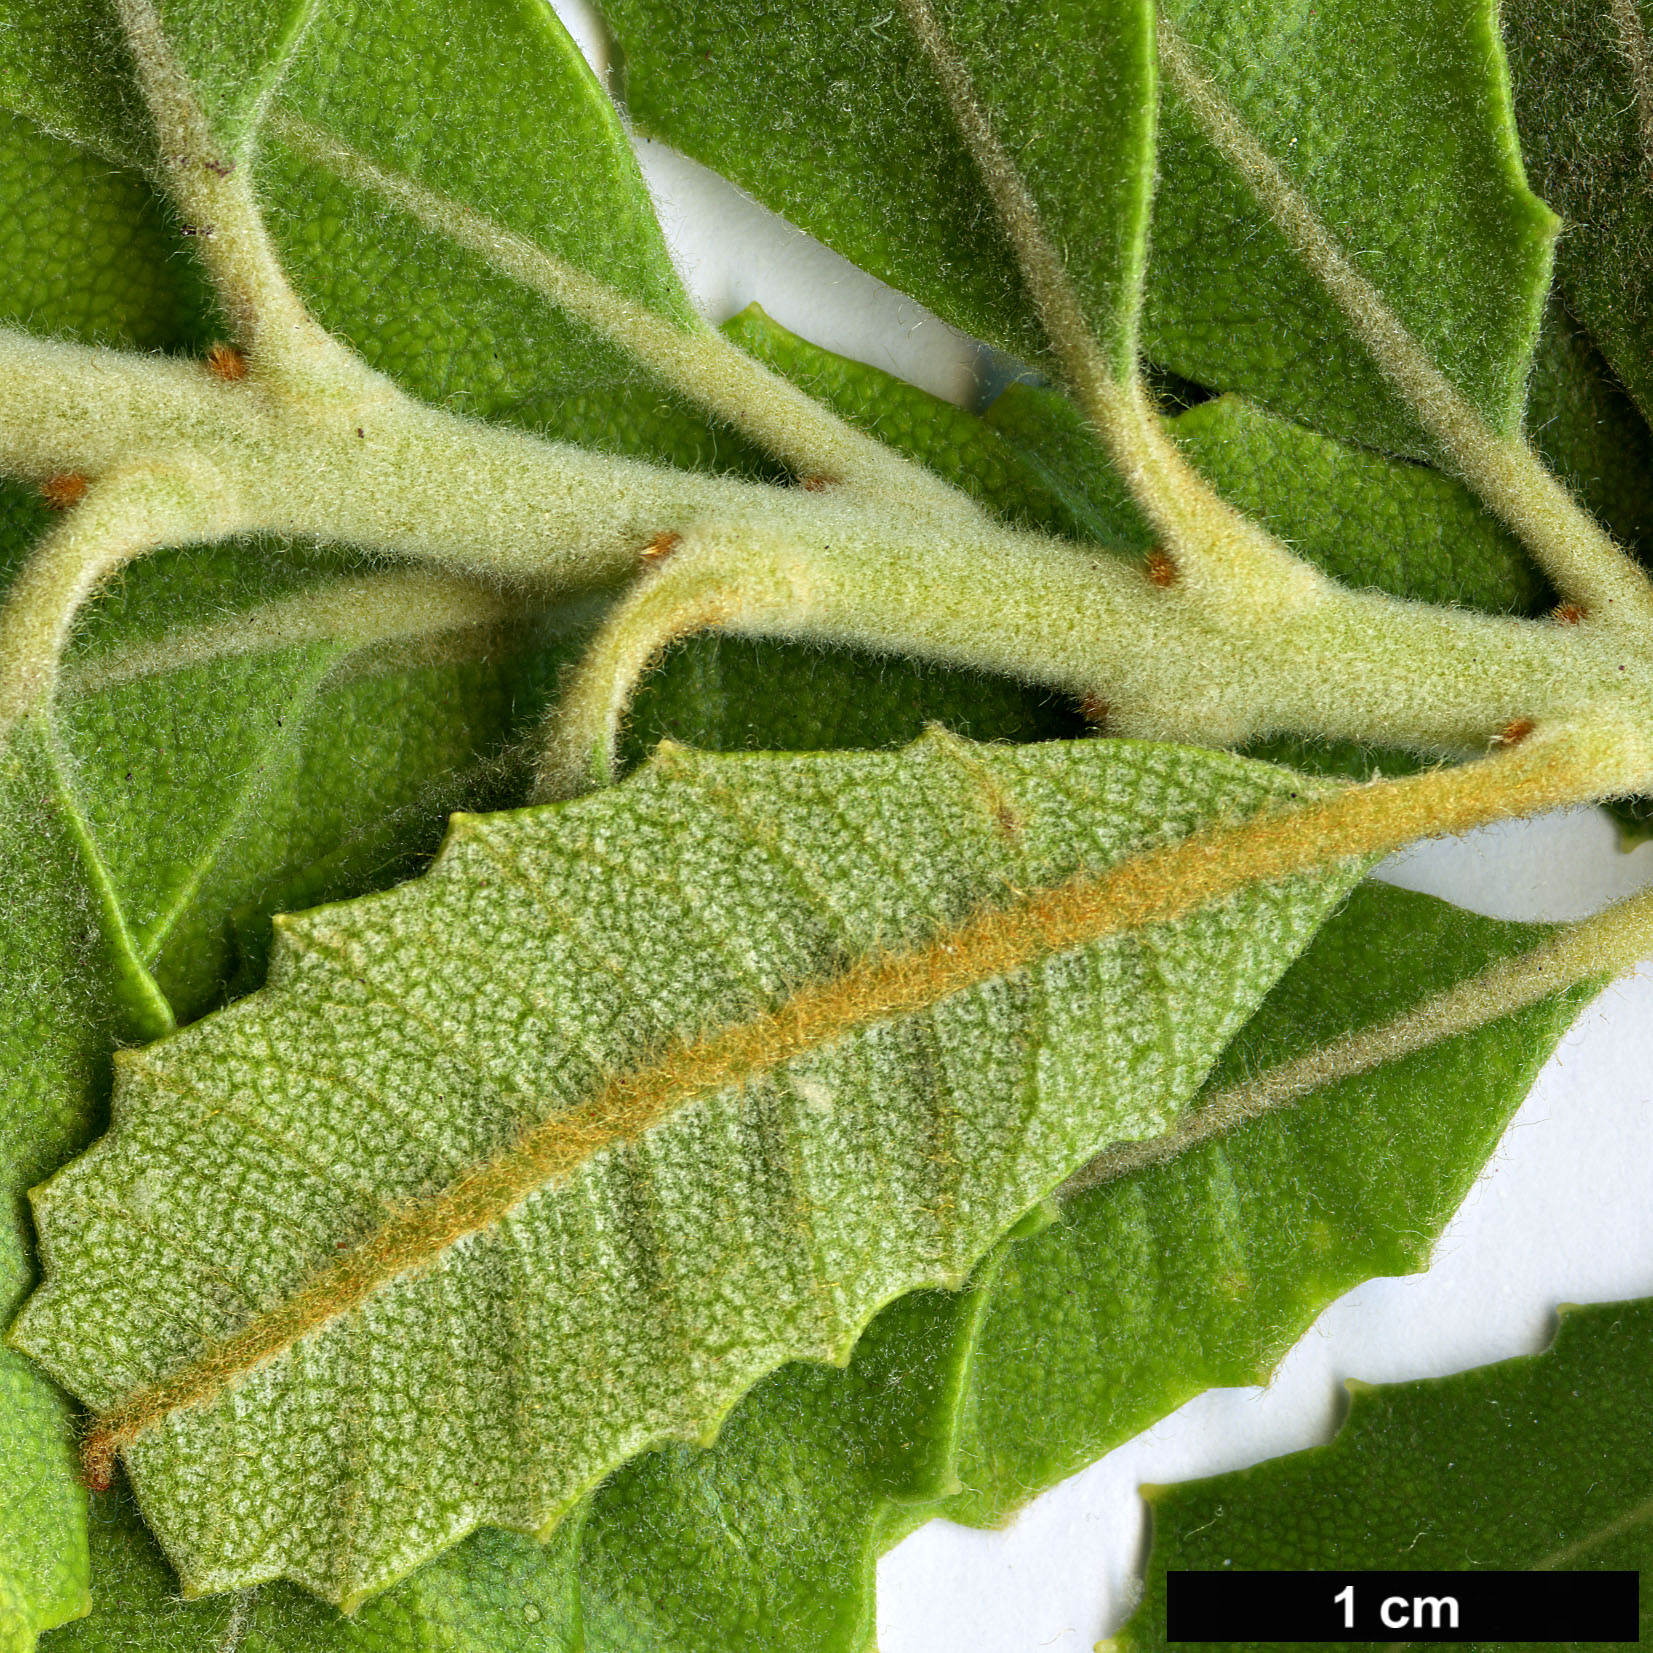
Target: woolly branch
{"points": [[1358, 666], [1226, 562], [697, 361], [415, 481], [402, 478], [1579, 556], [695, 585], [122, 517], [1596, 950], [214, 196]]}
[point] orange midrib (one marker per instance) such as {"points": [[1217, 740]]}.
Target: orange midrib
{"points": [[1156, 886]]}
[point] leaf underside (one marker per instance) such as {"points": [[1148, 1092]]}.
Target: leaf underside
{"points": [[407, 1038]]}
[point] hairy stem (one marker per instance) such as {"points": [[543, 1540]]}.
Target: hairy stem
{"points": [[581, 749], [403, 478], [1359, 666], [1579, 556], [214, 196], [417, 482], [122, 517], [1596, 950], [1223, 560], [697, 361]]}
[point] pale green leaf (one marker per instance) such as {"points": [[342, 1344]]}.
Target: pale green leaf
{"points": [[1537, 1462], [412, 1036]]}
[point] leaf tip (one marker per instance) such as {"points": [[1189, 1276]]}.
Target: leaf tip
{"points": [[97, 1460]]}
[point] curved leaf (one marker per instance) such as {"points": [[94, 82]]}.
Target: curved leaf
{"points": [[635, 1098]]}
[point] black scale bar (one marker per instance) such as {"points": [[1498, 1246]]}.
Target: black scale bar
{"points": [[1224, 1606]]}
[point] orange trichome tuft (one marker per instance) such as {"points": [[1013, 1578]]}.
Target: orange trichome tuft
{"points": [[224, 361], [1162, 567], [60, 492]]}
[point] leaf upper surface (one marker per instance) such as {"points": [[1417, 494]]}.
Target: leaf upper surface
{"points": [[406, 1038], [1583, 73], [829, 117], [1536, 1462]]}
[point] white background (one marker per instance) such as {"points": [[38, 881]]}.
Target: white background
{"points": [[1562, 1213]]}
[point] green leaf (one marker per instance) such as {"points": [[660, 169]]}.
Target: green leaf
{"points": [[89, 250], [270, 762], [1542, 1461], [540, 152], [64, 65], [1073, 1337], [496, 1593], [829, 114], [1590, 432], [1584, 95], [547, 956], [1202, 1272], [996, 458], [83, 959], [769, 1538], [1367, 520], [1458, 248], [57, 1007], [1370, 521]]}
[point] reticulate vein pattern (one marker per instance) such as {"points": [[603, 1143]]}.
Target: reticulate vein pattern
{"points": [[327, 1356]]}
